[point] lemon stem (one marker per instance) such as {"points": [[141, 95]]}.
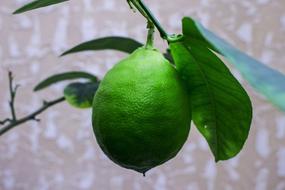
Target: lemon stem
{"points": [[144, 10], [150, 35]]}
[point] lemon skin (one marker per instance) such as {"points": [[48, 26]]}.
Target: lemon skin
{"points": [[141, 114]]}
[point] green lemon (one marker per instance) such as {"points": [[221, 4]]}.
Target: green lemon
{"points": [[141, 113]]}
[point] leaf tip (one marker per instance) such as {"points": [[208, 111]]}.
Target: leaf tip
{"points": [[63, 54], [217, 160], [16, 12], [35, 89]]}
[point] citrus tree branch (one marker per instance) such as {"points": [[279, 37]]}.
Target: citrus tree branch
{"points": [[10, 123], [31, 116]]}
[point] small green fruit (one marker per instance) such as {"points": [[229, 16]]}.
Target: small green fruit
{"points": [[80, 95]]}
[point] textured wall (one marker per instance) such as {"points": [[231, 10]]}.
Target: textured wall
{"points": [[61, 152]]}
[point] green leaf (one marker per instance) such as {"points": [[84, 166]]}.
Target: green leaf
{"points": [[267, 81], [62, 77], [80, 95], [37, 4], [123, 44], [221, 108]]}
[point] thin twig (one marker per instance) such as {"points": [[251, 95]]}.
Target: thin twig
{"points": [[10, 123], [30, 117], [12, 96]]}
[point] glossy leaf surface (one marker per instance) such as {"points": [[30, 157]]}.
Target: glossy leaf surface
{"points": [[221, 109], [267, 81]]}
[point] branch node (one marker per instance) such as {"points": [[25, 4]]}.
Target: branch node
{"points": [[16, 88], [36, 119], [45, 102]]}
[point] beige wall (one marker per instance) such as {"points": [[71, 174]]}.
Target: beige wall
{"points": [[61, 152]]}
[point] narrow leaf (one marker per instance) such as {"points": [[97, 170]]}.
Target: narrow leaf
{"points": [[221, 109], [80, 95], [64, 76], [267, 81], [123, 44], [37, 4]]}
